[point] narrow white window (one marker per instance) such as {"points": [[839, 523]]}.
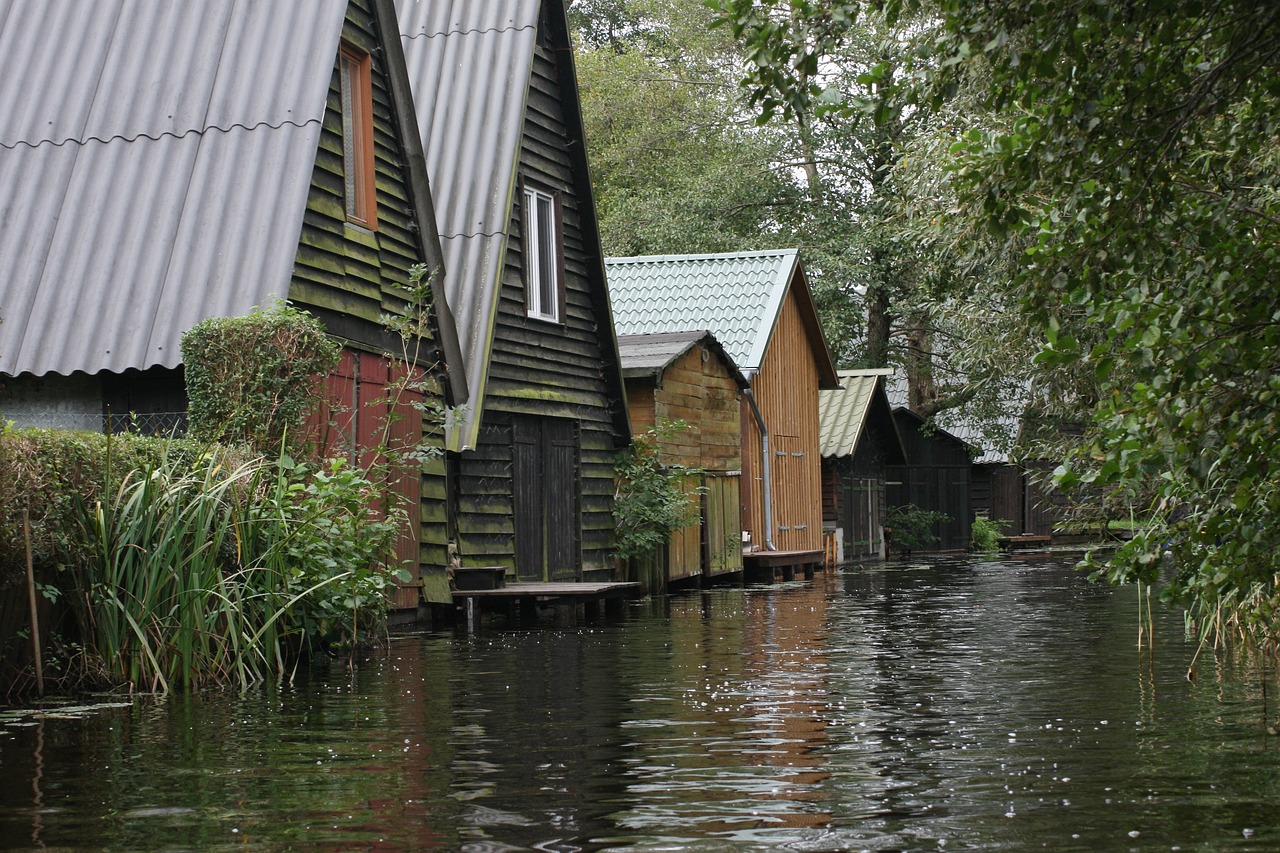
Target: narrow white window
{"points": [[542, 256]]}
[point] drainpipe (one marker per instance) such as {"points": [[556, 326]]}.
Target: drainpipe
{"points": [[764, 453]]}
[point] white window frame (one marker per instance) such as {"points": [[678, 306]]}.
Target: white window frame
{"points": [[542, 256]]}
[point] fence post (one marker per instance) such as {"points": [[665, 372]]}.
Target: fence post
{"points": [[31, 596]]}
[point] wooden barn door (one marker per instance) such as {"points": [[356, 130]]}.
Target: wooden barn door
{"points": [[862, 518], [545, 474], [722, 523]]}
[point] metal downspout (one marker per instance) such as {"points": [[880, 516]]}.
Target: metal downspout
{"points": [[768, 489]]}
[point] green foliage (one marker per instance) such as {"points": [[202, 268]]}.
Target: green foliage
{"points": [[653, 500], [910, 528], [253, 380], [188, 564], [985, 534], [1120, 162], [320, 527], [206, 572], [675, 168], [49, 473]]}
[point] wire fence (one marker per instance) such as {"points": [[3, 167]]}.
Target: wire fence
{"points": [[145, 423]]}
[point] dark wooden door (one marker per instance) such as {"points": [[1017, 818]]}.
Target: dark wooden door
{"points": [[545, 471]]}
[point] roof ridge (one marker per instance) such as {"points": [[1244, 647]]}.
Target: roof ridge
{"points": [[23, 143], [648, 259]]}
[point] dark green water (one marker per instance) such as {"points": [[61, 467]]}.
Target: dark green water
{"points": [[949, 706]]}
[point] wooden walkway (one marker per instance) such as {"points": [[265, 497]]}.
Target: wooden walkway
{"points": [[570, 590], [521, 600], [770, 566]]}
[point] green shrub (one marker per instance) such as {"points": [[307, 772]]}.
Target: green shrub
{"points": [[188, 564], [652, 500], [49, 473], [985, 534], [910, 528], [253, 380], [205, 572]]}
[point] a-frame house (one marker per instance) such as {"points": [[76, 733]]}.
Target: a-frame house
{"points": [[532, 453], [169, 161]]}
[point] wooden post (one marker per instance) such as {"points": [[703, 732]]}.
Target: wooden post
{"points": [[31, 596]]}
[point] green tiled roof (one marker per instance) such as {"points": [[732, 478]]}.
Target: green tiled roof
{"points": [[736, 296], [842, 414]]}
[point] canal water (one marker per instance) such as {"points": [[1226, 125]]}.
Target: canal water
{"points": [[999, 705]]}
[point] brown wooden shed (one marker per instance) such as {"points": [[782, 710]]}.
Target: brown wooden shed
{"points": [[758, 306], [687, 376]]}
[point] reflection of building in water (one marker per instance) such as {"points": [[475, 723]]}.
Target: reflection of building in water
{"points": [[730, 737], [785, 646]]}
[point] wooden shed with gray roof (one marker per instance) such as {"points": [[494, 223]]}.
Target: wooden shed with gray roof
{"points": [[532, 453], [169, 161], [758, 306], [687, 377]]}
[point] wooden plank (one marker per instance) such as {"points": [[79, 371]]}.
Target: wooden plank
{"points": [[553, 590]]}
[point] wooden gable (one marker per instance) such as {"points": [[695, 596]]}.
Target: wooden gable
{"points": [[347, 273]]}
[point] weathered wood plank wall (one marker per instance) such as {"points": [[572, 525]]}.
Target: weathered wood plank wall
{"points": [[786, 389], [343, 273], [541, 369]]}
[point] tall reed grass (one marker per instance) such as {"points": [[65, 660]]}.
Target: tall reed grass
{"points": [[217, 572]]}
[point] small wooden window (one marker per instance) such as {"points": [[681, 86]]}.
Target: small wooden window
{"points": [[357, 137], [543, 279]]}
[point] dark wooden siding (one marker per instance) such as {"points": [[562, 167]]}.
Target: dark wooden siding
{"points": [[1017, 498], [936, 478], [544, 369], [342, 272]]}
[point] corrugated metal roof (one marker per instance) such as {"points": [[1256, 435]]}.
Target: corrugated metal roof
{"points": [[651, 355], [737, 296], [842, 413], [159, 175], [469, 65]]}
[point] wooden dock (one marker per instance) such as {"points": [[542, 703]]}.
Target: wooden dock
{"points": [[523, 599], [772, 566], [1024, 542]]}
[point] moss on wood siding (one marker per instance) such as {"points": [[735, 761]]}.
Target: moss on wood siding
{"points": [[344, 270], [543, 369]]}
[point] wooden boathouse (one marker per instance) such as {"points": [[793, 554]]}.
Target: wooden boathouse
{"points": [[859, 440], [688, 377], [171, 198], [531, 454], [758, 305]]}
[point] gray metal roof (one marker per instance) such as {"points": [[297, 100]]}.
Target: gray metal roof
{"points": [[842, 413], [651, 355], [155, 157], [470, 65]]}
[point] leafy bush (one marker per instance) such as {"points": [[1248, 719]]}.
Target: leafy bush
{"points": [[910, 528], [209, 573], [189, 564], [253, 380], [317, 526], [49, 473], [985, 534], [652, 500]]}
